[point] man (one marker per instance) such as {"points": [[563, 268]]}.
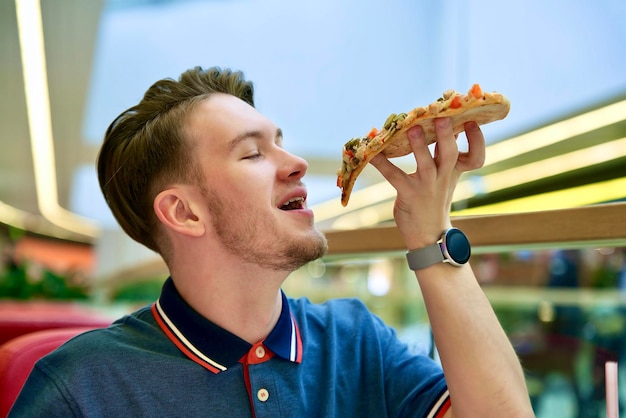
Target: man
{"points": [[197, 174]]}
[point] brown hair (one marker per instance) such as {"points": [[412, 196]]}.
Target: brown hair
{"points": [[144, 148]]}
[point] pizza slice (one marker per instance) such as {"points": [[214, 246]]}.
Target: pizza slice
{"points": [[392, 140]]}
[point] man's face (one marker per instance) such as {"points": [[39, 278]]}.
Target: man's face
{"points": [[253, 188]]}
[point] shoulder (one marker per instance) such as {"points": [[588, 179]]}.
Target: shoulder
{"points": [[61, 381], [335, 309], [130, 332], [346, 316]]}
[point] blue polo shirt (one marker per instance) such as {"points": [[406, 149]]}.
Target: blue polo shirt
{"points": [[334, 359]]}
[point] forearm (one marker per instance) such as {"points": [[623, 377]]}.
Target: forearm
{"points": [[483, 372]]}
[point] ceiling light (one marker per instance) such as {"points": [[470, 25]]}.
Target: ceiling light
{"points": [[541, 169], [606, 191], [589, 194], [40, 127], [556, 132]]}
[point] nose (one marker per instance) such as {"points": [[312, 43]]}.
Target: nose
{"points": [[292, 167]]}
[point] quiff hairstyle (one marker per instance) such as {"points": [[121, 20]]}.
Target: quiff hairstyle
{"points": [[145, 149]]}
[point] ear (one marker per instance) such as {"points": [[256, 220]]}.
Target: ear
{"points": [[176, 210]]}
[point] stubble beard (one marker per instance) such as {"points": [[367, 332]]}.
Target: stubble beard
{"points": [[240, 233]]}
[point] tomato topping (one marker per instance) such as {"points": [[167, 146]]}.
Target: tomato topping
{"points": [[456, 102], [372, 133], [476, 91]]}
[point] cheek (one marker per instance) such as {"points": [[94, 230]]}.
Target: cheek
{"points": [[260, 173], [244, 186], [241, 180]]}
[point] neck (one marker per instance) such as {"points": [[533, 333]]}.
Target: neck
{"points": [[245, 301]]}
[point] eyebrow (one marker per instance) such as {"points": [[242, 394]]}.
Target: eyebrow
{"points": [[278, 138]]}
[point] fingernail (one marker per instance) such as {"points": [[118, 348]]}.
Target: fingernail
{"points": [[443, 122], [414, 132]]}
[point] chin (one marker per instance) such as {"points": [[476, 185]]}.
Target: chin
{"points": [[315, 246], [319, 245]]}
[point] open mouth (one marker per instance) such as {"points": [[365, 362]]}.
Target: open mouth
{"points": [[293, 203]]}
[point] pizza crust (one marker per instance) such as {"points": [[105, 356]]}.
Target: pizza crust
{"points": [[392, 141], [400, 147]]}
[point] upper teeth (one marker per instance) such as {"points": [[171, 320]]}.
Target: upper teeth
{"points": [[294, 199]]}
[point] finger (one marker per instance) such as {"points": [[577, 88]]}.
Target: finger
{"points": [[423, 157], [446, 149], [389, 171], [474, 158]]}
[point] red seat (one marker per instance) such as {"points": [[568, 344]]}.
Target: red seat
{"points": [[18, 356], [19, 318]]}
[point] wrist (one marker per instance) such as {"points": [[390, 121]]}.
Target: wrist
{"points": [[451, 247], [422, 238]]}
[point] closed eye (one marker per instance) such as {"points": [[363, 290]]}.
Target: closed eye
{"points": [[253, 156]]}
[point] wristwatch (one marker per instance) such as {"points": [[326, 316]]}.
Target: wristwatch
{"points": [[453, 248]]}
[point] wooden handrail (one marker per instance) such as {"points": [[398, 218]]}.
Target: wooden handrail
{"points": [[604, 223], [597, 224]]}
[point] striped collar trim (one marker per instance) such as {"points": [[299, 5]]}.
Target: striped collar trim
{"points": [[213, 347]]}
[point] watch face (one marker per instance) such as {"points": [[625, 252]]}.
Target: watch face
{"points": [[456, 247]]}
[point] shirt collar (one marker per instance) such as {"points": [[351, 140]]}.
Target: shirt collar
{"points": [[212, 346]]}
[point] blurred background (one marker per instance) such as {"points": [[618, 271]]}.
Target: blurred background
{"points": [[325, 72]]}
